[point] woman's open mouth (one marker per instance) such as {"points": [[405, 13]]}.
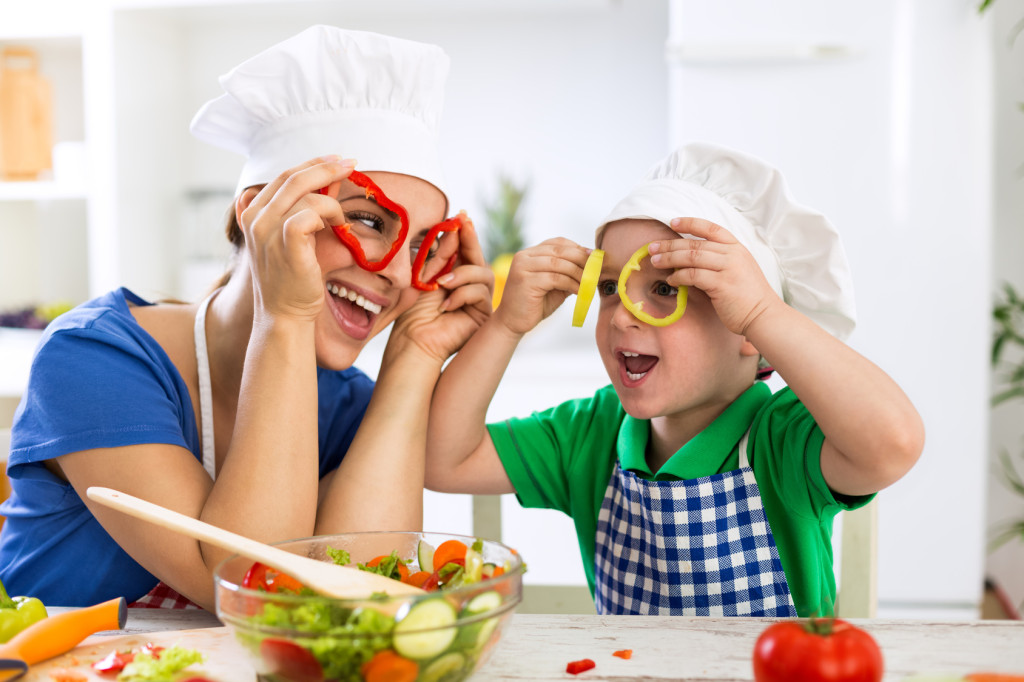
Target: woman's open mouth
{"points": [[353, 311], [634, 366]]}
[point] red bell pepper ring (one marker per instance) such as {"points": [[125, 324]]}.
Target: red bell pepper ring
{"points": [[450, 225], [377, 194], [577, 667]]}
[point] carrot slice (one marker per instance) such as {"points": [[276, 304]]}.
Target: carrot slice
{"points": [[416, 579], [403, 570], [388, 666], [448, 551], [624, 654]]}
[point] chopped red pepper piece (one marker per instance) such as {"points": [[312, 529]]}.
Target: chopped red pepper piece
{"points": [[114, 662], [625, 654], [261, 577], [577, 667]]}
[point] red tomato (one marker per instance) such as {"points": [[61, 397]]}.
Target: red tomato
{"points": [[817, 650], [260, 577], [290, 661]]}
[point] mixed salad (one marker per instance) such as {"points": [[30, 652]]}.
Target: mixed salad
{"points": [[433, 639]]}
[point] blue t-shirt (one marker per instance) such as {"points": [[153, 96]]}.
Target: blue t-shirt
{"points": [[99, 380]]}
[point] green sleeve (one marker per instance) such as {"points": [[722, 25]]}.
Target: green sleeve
{"points": [[551, 455]]}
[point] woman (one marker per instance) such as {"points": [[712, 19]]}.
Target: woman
{"points": [[238, 410]]}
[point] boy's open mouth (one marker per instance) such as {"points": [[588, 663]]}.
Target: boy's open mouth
{"points": [[636, 365], [354, 312]]}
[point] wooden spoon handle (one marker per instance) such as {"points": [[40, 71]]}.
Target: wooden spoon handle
{"points": [[194, 528]]}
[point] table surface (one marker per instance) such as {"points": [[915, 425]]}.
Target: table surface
{"points": [[538, 647]]}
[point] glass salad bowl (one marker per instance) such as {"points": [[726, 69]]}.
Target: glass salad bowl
{"points": [[444, 634]]}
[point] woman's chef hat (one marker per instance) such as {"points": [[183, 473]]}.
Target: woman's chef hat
{"points": [[362, 95], [797, 248]]}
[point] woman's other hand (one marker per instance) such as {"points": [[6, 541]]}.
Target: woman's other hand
{"points": [[441, 321]]}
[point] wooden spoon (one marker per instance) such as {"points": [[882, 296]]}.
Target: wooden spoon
{"points": [[331, 580]]}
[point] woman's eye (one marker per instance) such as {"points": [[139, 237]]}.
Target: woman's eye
{"points": [[607, 287], [415, 246], [665, 289], [374, 222]]}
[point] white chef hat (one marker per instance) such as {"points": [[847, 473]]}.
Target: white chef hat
{"points": [[797, 248], [366, 96]]}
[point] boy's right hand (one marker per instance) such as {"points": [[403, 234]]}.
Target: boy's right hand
{"points": [[540, 279]]}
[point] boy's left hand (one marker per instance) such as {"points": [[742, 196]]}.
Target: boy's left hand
{"points": [[441, 321], [718, 265]]}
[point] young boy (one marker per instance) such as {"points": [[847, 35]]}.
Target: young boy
{"points": [[694, 490]]}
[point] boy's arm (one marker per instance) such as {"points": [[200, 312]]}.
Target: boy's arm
{"points": [[873, 434], [461, 457]]}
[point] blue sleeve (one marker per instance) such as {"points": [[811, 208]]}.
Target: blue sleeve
{"points": [[99, 387], [343, 397]]}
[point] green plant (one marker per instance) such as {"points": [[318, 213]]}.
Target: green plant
{"points": [[504, 229], [1008, 361]]}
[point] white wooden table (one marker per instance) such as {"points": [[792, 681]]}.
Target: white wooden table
{"points": [[538, 647]]}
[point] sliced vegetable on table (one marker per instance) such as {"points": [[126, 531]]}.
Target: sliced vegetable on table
{"points": [[816, 650], [624, 654], [580, 666], [17, 613]]}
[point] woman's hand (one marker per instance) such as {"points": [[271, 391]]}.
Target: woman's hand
{"points": [[441, 321], [721, 267], [280, 222], [540, 279]]}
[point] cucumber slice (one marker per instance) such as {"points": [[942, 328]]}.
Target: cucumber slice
{"points": [[425, 555], [448, 667], [427, 630], [588, 285], [483, 636], [482, 603], [487, 570]]}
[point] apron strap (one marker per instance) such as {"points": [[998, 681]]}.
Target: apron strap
{"points": [[205, 389]]}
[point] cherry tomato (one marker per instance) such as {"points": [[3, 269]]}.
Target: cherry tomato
{"points": [[816, 650], [290, 661], [260, 577]]}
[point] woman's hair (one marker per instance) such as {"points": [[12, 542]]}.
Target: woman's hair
{"points": [[237, 239]]}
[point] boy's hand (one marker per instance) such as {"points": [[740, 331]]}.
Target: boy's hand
{"points": [[441, 321], [718, 265], [540, 279]]}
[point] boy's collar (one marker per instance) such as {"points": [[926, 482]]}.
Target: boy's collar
{"points": [[702, 455]]}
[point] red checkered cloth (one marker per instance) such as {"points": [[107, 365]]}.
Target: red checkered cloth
{"points": [[163, 597]]}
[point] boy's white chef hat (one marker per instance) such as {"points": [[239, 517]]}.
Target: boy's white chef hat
{"points": [[797, 248], [362, 95]]}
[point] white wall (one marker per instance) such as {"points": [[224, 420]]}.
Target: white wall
{"points": [[1006, 565], [889, 137]]}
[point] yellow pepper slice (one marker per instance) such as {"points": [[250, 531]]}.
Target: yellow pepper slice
{"points": [[633, 265], [588, 285]]}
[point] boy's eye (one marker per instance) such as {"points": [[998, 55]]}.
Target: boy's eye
{"points": [[664, 289], [607, 287]]}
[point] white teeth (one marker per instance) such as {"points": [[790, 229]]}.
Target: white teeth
{"points": [[630, 355], [342, 292], [635, 377]]}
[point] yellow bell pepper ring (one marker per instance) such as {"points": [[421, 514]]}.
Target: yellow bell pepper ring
{"points": [[588, 285], [17, 613], [637, 308]]}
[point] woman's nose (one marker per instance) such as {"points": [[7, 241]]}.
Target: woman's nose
{"points": [[399, 271]]}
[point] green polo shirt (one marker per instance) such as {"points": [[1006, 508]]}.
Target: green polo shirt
{"points": [[563, 458]]}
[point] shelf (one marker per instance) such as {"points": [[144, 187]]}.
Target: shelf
{"points": [[40, 190]]}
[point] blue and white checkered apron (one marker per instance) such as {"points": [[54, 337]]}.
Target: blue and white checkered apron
{"points": [[699, 547]]}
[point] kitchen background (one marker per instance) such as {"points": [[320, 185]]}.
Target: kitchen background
{"points": [[897, 118]]}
